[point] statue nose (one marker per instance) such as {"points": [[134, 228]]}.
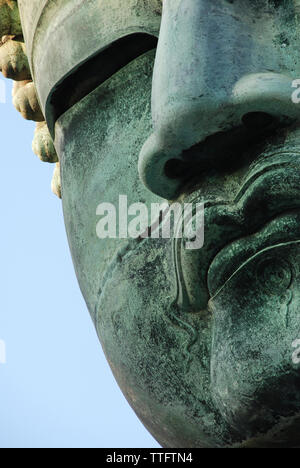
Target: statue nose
{"points": [[218, 66]]}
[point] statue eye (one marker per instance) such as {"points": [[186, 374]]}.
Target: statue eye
{"points": [[92, 73]]}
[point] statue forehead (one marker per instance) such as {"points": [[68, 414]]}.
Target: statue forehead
{"points": [[66, 33]]}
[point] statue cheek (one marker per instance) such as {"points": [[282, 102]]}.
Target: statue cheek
{"points": [[255, 378]]}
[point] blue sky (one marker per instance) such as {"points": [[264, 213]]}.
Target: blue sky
{"points": [[56, 387]]}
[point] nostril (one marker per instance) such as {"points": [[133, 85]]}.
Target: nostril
{"points": [[258, 120], [175, 168]]}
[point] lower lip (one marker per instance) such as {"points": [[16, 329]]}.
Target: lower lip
{"points": [[281, 230]]}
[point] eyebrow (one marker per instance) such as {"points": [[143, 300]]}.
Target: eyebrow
{"points": [[90, 74]]}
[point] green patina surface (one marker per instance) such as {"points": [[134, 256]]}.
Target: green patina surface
{"points": [[202, 343]]}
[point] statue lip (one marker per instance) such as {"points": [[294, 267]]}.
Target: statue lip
{"points": [[268, 206], [230, 259]]}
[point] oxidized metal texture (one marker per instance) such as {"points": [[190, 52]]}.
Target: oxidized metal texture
{"points": [[66, 33], [205, 344]]}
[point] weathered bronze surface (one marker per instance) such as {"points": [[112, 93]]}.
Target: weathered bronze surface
{"points": [[204, 343]]}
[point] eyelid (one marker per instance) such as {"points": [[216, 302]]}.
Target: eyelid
{"points": [[62, 35], [86, 77]]}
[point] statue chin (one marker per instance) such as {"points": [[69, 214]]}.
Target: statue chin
{"points": [[255, 378]]}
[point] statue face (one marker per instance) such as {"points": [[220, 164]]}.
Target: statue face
{"points": [[203, 342]]}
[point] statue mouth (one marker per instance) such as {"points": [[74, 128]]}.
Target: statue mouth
{"points": [[268, 207], [282, 230]]}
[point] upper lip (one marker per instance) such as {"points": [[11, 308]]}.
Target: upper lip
{"points": [[271, 189]]}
